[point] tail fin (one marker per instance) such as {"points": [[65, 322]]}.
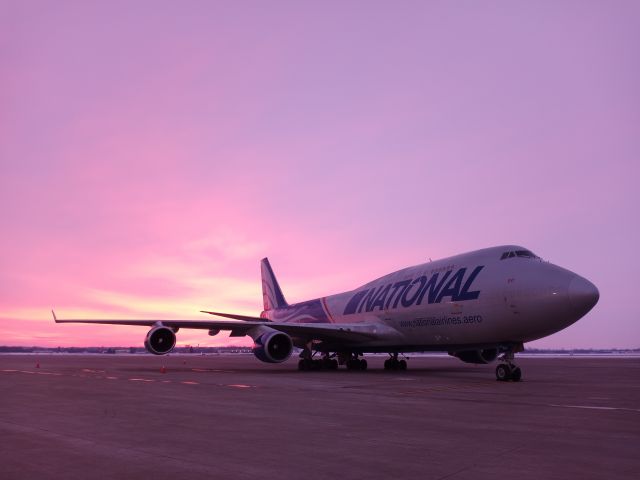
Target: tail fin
{"points": [[271, 293]]}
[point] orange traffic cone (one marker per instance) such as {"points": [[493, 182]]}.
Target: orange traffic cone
{"points": [[163, 369]]}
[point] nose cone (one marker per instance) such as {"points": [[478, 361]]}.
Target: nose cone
{"points": [[583, 295]]}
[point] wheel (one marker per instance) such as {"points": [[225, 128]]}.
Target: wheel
{"points": [[302, 365], [516, 375], [363, 364], [402, 365], [503, 372], [387, 364], [329, 364]]}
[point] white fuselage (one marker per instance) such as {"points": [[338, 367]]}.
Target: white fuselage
{"points": [[489, 296]]}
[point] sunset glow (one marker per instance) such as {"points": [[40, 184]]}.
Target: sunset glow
{"points": [[151, 153]]}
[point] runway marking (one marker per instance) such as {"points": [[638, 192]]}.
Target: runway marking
{"points": [[592, 407], [206, 370], [134, 379]]}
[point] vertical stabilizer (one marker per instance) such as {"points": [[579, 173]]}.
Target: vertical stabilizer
{"points": [[271, 294]]}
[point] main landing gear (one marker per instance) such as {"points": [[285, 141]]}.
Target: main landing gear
{"points": [[324, 363], [355, 363], [307, 362], [330, 362], [393, 363], [507, 370]]}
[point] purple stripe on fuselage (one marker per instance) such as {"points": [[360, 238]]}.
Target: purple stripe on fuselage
{"points": [[304, 312]]}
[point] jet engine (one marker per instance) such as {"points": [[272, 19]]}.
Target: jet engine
{"points": [[160, 340], [486, 355], [273, 347]]}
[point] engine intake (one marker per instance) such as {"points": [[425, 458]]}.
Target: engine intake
{"points": [[160, 340], [486, 355], [273, 347]]}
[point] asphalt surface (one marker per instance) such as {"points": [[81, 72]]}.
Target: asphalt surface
{"points": [[112, 416]]}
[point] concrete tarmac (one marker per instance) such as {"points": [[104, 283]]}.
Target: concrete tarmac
{"points": [[119, 416]]}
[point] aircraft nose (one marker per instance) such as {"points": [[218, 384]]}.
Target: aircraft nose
{"points": [[583, 295]]}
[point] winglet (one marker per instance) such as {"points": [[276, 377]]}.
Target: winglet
{"points": [[55, 319]]}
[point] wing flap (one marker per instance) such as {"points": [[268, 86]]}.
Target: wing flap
{"points": [[344, 332], [234, 316]]}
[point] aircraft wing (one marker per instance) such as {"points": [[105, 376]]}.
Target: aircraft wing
{"points": [[312, 331]]}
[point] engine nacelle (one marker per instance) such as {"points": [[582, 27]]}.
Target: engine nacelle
{"points": [[160, 340], [273, 347], [486, 355]]}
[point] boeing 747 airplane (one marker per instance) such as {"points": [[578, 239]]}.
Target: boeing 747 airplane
{"points": [[476, 306]]}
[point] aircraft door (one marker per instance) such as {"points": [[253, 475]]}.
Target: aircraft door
{"points": [[511, 291]]}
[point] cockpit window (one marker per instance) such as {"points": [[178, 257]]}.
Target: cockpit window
{"points": [[518, 253]]}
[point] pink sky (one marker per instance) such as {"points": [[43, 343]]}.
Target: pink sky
{"points": [[152, 152]]}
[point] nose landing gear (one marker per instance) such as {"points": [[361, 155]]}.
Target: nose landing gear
{"points": [[507, 370]]}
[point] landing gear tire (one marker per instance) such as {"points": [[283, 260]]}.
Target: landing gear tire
{"points": [[516, 374], [309, 364], [356, 364], [503, 372], [329, 364], [394, 364]]}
